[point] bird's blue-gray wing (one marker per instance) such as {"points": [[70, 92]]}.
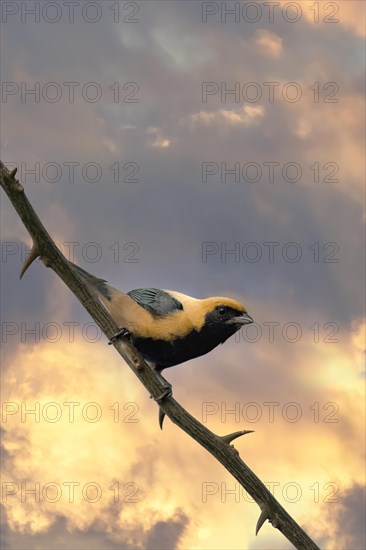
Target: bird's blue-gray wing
{"points": [[157, 301]]}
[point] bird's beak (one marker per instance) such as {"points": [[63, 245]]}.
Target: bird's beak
{"points": [[243, 319]]}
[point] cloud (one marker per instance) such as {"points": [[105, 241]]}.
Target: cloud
{"points": [[269, 43], [165, 535], [348, 15], [246, 116], [352, 515], [125, 458], [167, 213], [159, 141], [343, 523], [75, 450]]}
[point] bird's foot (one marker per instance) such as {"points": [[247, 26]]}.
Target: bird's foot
{"points": [[122, 333], [168, 392]]}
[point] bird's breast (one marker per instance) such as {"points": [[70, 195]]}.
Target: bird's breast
{"points": [[164, 354]]}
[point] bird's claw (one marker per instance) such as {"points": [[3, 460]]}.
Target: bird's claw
{"points": [[122, 333]]}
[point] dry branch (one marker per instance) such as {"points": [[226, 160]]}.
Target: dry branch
{"points": [[218, 446]]}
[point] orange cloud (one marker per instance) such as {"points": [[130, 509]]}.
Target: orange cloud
{"points": [[152, 474]]}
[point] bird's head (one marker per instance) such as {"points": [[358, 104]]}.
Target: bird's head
{"points": [[216, 318], [226, 315]]}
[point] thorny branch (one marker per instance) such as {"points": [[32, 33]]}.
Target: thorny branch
{"points": [[219, 446]]}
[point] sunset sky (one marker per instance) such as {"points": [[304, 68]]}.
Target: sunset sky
{"points": [[213, 148]]}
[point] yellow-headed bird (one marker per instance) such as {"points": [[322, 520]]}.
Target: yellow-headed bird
{"points": [[167, 327]]}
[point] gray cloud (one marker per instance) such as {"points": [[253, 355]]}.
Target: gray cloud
{"points": [[169, 213], [351, 518], [165, 535], [59, 537]]}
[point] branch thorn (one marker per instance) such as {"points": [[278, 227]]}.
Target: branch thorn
{"points": [[230, 437], [32, 256], [262, 518], [161, 417]]}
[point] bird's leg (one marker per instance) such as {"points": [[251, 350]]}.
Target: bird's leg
{"points": [[122, 333], [168, 392]]}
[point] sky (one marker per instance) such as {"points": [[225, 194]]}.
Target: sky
{"points": [[216, 149]]}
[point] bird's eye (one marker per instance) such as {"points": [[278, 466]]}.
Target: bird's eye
{"points": [[222, 310]]}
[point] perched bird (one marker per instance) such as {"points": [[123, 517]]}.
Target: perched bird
{"points": [[167, 327]]}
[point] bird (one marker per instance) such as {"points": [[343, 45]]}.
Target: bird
{"points": [[168, 327]]}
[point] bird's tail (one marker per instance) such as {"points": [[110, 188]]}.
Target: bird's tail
{"points": [[101, 285]]}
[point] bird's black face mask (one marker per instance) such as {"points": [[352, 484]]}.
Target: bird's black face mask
{"points": [[224, 321]]}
